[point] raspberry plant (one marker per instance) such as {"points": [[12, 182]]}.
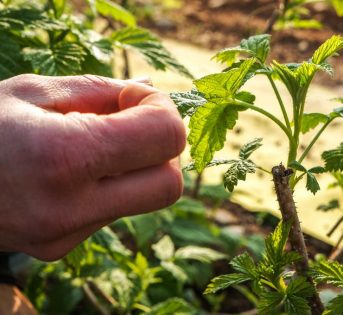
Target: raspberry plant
{"points": [[283, 281]]}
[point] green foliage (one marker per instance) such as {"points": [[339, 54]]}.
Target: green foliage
{"points": [[175, 306], [257, 46], [328, 272], [43, 37], [334, 159], [150, 47], [311, 181], [269, 278], [335, 306]]}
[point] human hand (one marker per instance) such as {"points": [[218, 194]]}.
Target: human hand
{"points": [[78, 153]]}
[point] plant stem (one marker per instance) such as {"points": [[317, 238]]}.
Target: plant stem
{"points": [[267, 114], [309, 147], [286, 202], [126, 69], [334, 228], [197, 185], [282, 105]]}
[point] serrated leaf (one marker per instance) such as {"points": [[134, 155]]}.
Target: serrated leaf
{"points": [[300, 287], [150, 47], [276, 242], [296, 305], [177, 272], [255, 46], [115, 11], [172, 306], [245, 96], [335, 306], [334, 159], [248, 148], [224, 85], [164, 249], [269, 302], [317, 170], [63, 59], [214, 162], [238, 171], [187, 102], [297, 166], [11, 60], [208, 127], [312, 120], [244, 264], [202, 254], [330, 272], [225, 281], [329, 48], [16, 18]]}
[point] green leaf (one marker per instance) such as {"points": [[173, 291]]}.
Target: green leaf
{"points": [[297, 166], [257, 46], [331, 205], [330, 272], [123, 288], [58, 7], [300, 287], [244, 264], [248, 148], [338, 99], [337, 112], [225, 281], [238, 171], [335, 306], [296, 305], [111, 9], [172, 306], [276, 242], [150, 47], [311, 183], [217, 86], [109, 241], [202, 254], [187, 102], [329, 48], [177, 272], [245, 96], [208, 131], [11, 60], [214, 162], [164, 249], [338, 6], [312, 120], [63, 59], [334, 159], [269, 302], [13, 18], [76, 256]]}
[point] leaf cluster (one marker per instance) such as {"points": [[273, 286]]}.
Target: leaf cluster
{"points": [[277, 290], [46, 38]]}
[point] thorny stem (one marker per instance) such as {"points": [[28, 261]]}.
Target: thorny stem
{"points": [[282, 105], [286, 202]]}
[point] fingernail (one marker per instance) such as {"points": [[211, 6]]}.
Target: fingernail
{"points": [[146, 80]]}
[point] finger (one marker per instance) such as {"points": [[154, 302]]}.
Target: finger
{"points": [[84, 94], [135, 138], [111, 199]]}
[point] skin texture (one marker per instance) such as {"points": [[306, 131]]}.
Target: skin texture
{"points": [[78, 153]]}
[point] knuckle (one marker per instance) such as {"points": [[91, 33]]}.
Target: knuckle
{"points": [[47, 252]]}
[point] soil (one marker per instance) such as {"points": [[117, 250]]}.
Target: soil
{"points": [[217, 24]]}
